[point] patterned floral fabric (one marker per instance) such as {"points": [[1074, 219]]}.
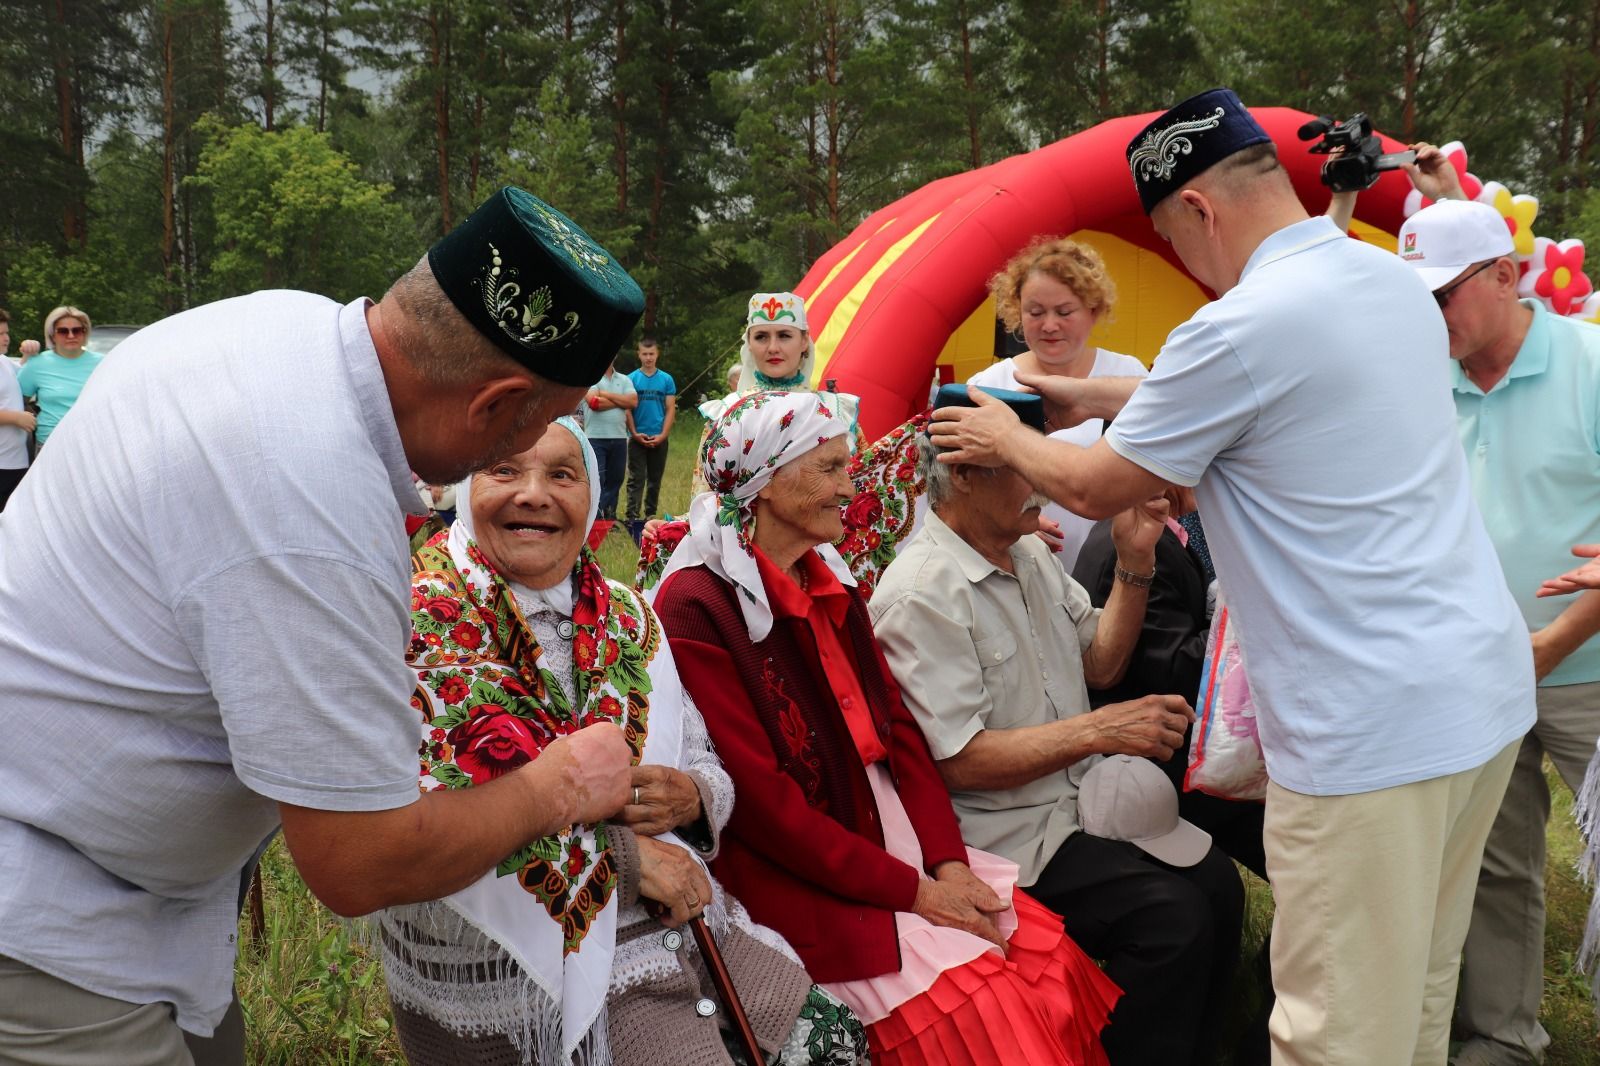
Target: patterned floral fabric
{"points": [[744, 449], [876, 522], [884, 509], [489, 704]]}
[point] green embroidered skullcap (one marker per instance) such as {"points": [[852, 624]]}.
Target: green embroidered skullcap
{"points": [[538, 286]]}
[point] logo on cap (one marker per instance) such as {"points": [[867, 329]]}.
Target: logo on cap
{"points": [[1411, 242]]}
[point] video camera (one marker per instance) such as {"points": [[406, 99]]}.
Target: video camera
{"points": [[1363, 158]]}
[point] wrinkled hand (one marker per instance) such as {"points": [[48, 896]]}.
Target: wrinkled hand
{"points": [[1049, 531], [973, 435], [667, 799], [1063, 405], [1586, 576], [594, 765], [671, 877], [1432, 175], [1149, 727], [1134, 533], [953, 903], [29, 349]]}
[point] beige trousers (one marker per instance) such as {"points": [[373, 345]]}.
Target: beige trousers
{"points": [[45, 1021], [1374, 894], [1502, 975]]}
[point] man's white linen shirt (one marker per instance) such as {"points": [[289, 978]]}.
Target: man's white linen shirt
{"points": [[203, 613], [973, 647], [1310, 408]]}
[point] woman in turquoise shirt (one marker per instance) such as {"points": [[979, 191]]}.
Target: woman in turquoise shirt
{"points": [[56, 377]]}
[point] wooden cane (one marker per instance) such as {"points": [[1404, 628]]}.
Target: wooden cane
{"points": [[723, 982]]}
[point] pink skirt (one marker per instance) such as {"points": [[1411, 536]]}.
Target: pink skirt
{"points": [[956, 1000]]}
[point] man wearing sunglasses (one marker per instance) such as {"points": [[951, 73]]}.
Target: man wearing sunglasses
{"points": [[1526, 385]]}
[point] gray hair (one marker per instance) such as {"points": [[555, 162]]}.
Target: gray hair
{"points": [[935, 475], [436, 338]]}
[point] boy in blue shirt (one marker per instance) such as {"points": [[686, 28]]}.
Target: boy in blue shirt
{"points": [[649, 425]]}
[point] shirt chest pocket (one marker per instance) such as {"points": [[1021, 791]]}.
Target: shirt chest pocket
{"points": [[997, 657]]}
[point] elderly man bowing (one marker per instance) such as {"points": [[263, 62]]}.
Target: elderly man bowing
{"points": [[204, 593], [993, 647], [1390, 663]]}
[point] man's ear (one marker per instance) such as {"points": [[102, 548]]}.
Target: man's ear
{"points": [[1195, 201], [496, 399]]}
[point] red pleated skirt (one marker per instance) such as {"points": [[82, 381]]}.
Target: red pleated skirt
{"points": [[1046, 1002]]}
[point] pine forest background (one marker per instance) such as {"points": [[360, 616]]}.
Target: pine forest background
{"points": [[156, 154]]}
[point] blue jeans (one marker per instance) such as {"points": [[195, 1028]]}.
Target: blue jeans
{"points": [[612, 455]]}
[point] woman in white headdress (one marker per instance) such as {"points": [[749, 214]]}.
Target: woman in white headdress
{"points": [[569, 951]]}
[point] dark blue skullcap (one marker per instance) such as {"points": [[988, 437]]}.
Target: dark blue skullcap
{"points": [[1028, 406], [1187, 141], [528, 278]]}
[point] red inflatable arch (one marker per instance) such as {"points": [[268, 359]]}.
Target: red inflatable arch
{"points": [[906, 292]]}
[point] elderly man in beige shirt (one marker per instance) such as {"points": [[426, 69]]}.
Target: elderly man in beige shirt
{"points": [[994, 647]]}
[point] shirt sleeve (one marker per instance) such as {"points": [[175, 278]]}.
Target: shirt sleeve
{"points": [[304, 655], [671, 388], [1197, 402], [1081, 609], [26, 380], [933, 659]]}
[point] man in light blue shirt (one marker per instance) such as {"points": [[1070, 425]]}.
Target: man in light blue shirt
{"points": [[1390, 665], [1526, 386], [606, 426]]}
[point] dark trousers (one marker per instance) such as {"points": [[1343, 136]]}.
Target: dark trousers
{"points": [[612, 455], [645, 467], [1169, 937], [9, 480]]}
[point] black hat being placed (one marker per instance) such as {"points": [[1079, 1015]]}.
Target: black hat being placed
{"points": [[1187, 141], [1028, 406], [539, 287]]}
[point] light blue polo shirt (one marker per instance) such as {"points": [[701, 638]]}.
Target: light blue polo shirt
{"points": [[1533, 453], [1309, 407]]}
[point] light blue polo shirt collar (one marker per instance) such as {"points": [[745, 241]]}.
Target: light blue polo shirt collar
{"points": [[1291, 240], [1532, 358]]}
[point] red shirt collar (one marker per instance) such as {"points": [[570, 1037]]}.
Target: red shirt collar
{"points": [[788, 600]]}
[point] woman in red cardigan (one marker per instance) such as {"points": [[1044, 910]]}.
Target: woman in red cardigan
{"points": [[842, 836]]}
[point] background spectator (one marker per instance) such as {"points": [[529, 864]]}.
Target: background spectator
{"points": [[55, 378]]}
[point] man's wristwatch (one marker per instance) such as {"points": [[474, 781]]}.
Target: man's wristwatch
{"points": [[1138, 581]]}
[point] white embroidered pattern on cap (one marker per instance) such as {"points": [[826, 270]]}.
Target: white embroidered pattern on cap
{"points": [[1158, 153]]}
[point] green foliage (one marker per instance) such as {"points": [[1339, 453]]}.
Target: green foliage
{"points": [[284, 204]]}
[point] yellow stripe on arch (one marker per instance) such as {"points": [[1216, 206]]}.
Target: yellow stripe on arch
{"points": [[841, 264], [849, 304]]}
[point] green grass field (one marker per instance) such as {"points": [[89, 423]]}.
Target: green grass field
{"points": [[313, 993]]}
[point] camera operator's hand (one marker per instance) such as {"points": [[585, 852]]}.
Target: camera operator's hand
{"points": [[1432, 175]]}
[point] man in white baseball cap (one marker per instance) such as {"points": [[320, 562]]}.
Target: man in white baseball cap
{"points": [[1526, 385]]}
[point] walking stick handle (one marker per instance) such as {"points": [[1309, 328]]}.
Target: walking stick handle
{"points": [[723, 982]]}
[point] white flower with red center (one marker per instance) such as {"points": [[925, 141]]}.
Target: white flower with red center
{"points": [[1556, 275], [1456, 153]]}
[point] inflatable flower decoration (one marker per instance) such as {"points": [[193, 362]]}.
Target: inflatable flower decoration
{"points": [[1456, 153], [1556, 275], [1519, 211]]}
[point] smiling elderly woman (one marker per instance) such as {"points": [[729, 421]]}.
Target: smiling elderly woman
{"points": [[563, 954], [843, 838]]}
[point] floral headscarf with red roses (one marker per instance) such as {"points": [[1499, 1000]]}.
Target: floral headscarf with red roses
{"points": [[489, 704], [753, 439]]}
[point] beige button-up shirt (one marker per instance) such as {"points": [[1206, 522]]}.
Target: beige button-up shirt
{"points": [[973, 648]]}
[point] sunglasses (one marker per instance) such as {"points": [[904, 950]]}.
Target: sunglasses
{"points": [[1442, 296], [70, 331]]}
